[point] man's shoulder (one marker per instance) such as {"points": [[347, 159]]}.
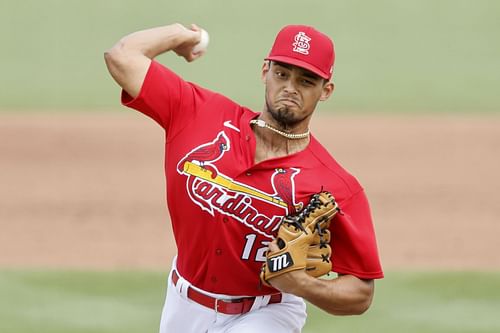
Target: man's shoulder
{"points": [[329, 165], [162, 74], [225, 107]]}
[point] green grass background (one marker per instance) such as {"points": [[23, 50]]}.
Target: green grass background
{"points": [[122, 302], [395, 55]]}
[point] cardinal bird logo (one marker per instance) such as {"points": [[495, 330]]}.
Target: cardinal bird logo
{"points": [[213, 191], [206, 154], [284, 187]]}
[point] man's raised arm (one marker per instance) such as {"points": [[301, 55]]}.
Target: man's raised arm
{"points": [[129, 59]]}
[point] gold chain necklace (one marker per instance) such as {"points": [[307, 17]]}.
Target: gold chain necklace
{"points": [[262, 123]]}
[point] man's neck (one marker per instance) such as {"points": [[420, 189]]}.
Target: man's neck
{"points": [[269, 144]]}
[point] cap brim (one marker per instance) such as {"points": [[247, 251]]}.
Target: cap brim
{"points": [[300, 63]]}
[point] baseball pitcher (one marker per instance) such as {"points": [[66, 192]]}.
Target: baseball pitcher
{"points": [[260, 210]]}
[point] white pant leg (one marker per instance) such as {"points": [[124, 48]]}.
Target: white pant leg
{"points": [[185, 316], [181, 315], [289, 316]]}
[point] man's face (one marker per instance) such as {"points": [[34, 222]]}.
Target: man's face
{"points": [[292, 92]]}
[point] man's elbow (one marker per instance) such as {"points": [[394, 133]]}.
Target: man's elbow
{"points": [[355, 309], [120, 61], [360, 303], [115, 55], [365, 301], [362, 307]]}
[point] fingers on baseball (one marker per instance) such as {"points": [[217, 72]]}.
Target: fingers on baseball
{"points": [[195, 55], [194, 27]]}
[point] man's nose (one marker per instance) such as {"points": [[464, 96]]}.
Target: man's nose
{"points": [[290, 87]]}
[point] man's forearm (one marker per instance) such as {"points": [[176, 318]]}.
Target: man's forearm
{"points": [[155, 41], [345, 295], [129, 59]]}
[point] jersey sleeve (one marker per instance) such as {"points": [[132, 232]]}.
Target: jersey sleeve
{"points": [[167, 98], [354, 246]]}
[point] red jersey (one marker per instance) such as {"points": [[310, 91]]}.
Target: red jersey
{"points": [[224, 208]]}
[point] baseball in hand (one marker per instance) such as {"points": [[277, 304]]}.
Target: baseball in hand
{"points": [[202, 45]]}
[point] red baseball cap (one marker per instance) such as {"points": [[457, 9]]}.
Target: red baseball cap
{"points": [[305, 47]]}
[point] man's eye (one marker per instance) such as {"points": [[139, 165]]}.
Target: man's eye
{"points": [[280, 74]]}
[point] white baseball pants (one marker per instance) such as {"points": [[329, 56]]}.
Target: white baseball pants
{"points": [[182, 315]]}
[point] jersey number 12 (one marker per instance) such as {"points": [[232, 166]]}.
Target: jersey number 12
{"points": [[260, 255]]}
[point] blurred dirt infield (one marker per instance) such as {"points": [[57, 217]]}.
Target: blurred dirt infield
{"points": [[87, 190]]}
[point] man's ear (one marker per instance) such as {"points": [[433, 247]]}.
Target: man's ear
{"points": [[266, 66], [328, 89]]}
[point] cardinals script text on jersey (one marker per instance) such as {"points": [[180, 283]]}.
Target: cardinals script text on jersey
{"points": [[213, 191]]}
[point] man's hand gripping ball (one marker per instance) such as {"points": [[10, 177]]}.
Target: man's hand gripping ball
{"points": [[303, 240]]}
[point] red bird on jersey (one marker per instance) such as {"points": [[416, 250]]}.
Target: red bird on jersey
{"points": [[206, 153], [284, 187]]}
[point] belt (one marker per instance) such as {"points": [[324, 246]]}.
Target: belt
{"points": [[226, 306]]}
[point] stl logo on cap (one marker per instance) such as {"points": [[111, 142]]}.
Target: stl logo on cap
{"points": [[301, 44]]}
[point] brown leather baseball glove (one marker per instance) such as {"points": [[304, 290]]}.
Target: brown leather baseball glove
{"points": [[303, 240]]}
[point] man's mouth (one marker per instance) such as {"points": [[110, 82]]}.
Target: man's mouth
{"points": [[289, 102]]}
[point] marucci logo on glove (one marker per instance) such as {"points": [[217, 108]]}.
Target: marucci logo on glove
{"points": [[280, 262]]}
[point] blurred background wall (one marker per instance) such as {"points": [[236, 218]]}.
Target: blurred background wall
{"points": [[391, 55]]}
